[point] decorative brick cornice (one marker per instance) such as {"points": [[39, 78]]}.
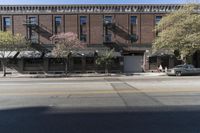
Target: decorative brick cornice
{"points": [[65, 9]]}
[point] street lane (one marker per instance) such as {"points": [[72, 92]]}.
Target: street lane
{"points": [[100, 105], [126, 92]]}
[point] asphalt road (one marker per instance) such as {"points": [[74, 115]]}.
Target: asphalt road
{"points": [[100, 105]]}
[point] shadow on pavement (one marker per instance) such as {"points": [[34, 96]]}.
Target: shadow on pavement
{"points": [[48, 120]]}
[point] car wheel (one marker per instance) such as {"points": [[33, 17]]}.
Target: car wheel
{"points": [[178, 73]]}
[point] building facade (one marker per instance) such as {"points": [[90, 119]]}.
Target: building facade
{"points": [[127, 28]]}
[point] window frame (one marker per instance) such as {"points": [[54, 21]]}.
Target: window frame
{"points": [[106, 20], [5, 24], [158, 20], [135, 22], [83, 27], [57, 23]]}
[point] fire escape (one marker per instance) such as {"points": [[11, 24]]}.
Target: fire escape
{"points": [[35, 29], [117, 29]]}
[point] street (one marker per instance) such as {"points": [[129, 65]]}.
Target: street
{"points": [[157, 104]]}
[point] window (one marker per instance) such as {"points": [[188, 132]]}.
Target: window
{"points": [[133, 29], [83, 37], [107, 32], [83, 28], [107, 19], [32, 20], [108, 37], [58, 20], [32, 34], [58, 24], [33, 37], [83, 20], [158, 18], [6, 23], [133, 20]]}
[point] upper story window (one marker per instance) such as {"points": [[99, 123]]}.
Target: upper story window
{"points": [[32, 20], [107, 19], [33, 37], [133, 20], [83, 20], [6, 23], [158, 18], [58, 21], [133, 29], [83, 28]]}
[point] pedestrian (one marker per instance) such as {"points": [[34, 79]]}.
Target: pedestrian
{"points": [[160, 68], [165, 69]]}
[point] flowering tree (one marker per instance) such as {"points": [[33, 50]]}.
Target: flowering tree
{"points": [[65, 43], [9, 44]]}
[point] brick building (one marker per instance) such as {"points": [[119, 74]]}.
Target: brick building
{"points": [[127, 28]]}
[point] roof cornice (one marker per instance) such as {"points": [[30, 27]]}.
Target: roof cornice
{"points": [[89, 8]]}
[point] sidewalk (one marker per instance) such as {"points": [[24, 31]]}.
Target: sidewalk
{"points": [[18, 75]]}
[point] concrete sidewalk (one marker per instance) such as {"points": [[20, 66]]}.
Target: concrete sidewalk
{"points": [[18, 75]]}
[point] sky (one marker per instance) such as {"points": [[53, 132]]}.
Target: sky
{"points": [[13, 2]]}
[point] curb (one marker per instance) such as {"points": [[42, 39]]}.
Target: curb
{"points": [[83, 75]]}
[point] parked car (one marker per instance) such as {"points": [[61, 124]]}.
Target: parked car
{"points": [[185, 69]]}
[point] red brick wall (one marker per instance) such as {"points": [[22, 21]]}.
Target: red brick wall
{"points": [[96, 29], [71, 23], [18, 21], [122, 23], [46, 20], [147, 26]]}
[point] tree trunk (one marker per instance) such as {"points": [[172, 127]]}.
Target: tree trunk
{"points": [[67, 65], [106, 68], [4, 67], [184, 58]]}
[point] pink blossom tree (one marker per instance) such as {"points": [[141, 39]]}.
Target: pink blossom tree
{"points": [[65, 43]]}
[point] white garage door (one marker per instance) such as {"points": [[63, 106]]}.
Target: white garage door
{"points": [[133, 64]]}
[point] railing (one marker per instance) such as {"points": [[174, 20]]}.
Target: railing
{"points": [[133, 38], [35, 25], [30, 23], [108, 38], [109, 24], [33, 40]]}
